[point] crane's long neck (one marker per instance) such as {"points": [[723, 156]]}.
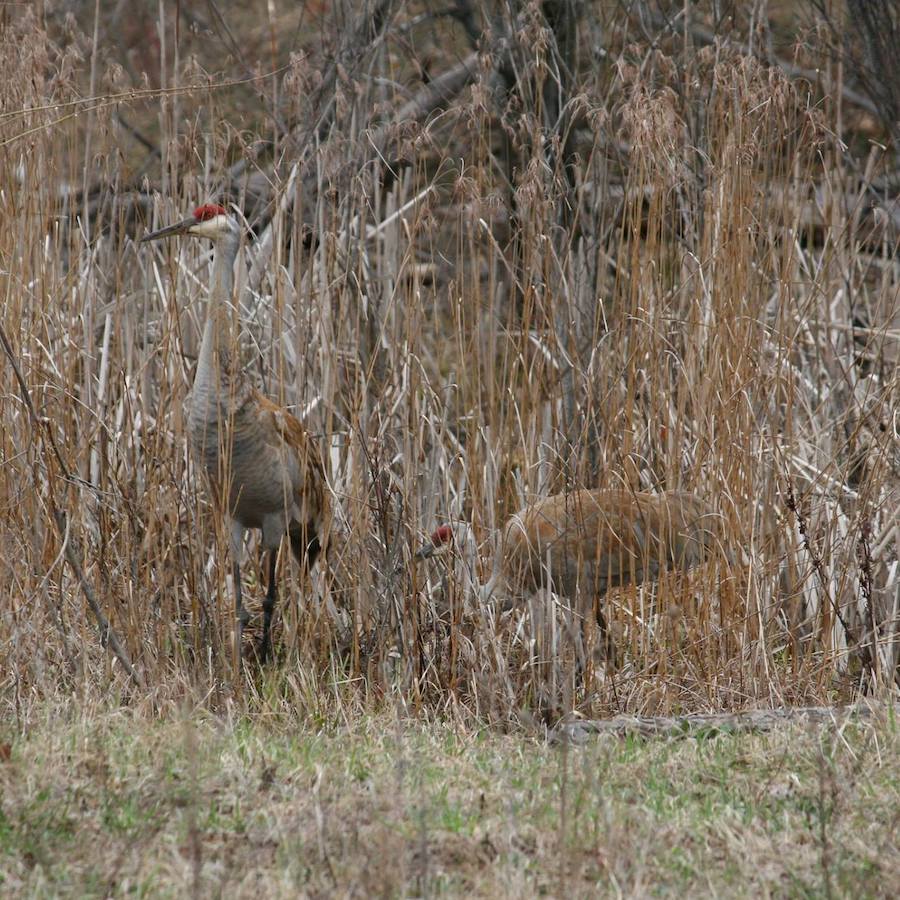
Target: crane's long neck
{"points": [[219, 384], [486, 590]]}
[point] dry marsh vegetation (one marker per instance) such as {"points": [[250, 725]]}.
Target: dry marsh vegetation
{"points": [[491, 253]]}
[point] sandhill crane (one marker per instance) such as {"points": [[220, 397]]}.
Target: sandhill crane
{"points": [[583, 543], [264, 469]]}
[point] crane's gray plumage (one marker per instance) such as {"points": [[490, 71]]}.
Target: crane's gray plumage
{"points": [[264, 469], [584, 543]]}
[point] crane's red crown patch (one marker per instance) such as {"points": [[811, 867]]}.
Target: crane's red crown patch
{"points": [[442, 535], [209, 211]]}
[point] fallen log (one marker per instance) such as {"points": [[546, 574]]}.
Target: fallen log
{"points": [[579, 731]]}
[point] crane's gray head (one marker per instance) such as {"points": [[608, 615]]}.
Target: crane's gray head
{"points": [[460, 539], [209, 221], [445, 538]]}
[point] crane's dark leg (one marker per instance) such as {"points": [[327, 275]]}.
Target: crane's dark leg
{"points": [[265, 642], [240, 614], [236, 540], [608, 645]]}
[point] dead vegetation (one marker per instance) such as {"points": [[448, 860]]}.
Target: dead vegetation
{"points": [[99, 802], [492, 253]]}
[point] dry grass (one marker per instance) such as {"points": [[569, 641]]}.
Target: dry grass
{"points": [[100, 803], [653, 267], [490, 255]]}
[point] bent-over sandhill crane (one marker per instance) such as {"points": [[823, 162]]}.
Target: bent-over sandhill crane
{"points": [[264, 469], [583, 543]]}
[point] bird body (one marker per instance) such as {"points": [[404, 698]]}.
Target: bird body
{"points": [[263, 455], [583, 543], [264, 469], [602, 539]]}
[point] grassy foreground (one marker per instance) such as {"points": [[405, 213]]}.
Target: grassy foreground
{"points": [[109, 804]]}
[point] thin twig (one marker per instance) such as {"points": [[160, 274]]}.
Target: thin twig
{"points": [[108, 635]]}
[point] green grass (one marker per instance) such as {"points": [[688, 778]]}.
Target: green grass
{"points": [[113, 805]]}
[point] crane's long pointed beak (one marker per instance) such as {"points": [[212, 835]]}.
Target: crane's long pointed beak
{"points": [[170, 230], [422, 553]]}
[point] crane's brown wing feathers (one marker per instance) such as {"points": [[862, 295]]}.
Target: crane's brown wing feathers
{"points": [[285, 431], [596, 540]]}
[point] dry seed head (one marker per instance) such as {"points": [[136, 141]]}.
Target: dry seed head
{"points": [[621, 385], [657, 132]]}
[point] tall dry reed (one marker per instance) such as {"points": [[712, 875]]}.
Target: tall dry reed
{"points": [[656, 272]]}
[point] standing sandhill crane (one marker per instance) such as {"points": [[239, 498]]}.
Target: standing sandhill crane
{"points": [[264, 469], [584, 543]]}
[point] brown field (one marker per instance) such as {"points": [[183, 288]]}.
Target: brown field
{"points": [[493, 252]]}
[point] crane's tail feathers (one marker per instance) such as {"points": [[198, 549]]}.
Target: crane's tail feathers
{"points": [[305, 544]]}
